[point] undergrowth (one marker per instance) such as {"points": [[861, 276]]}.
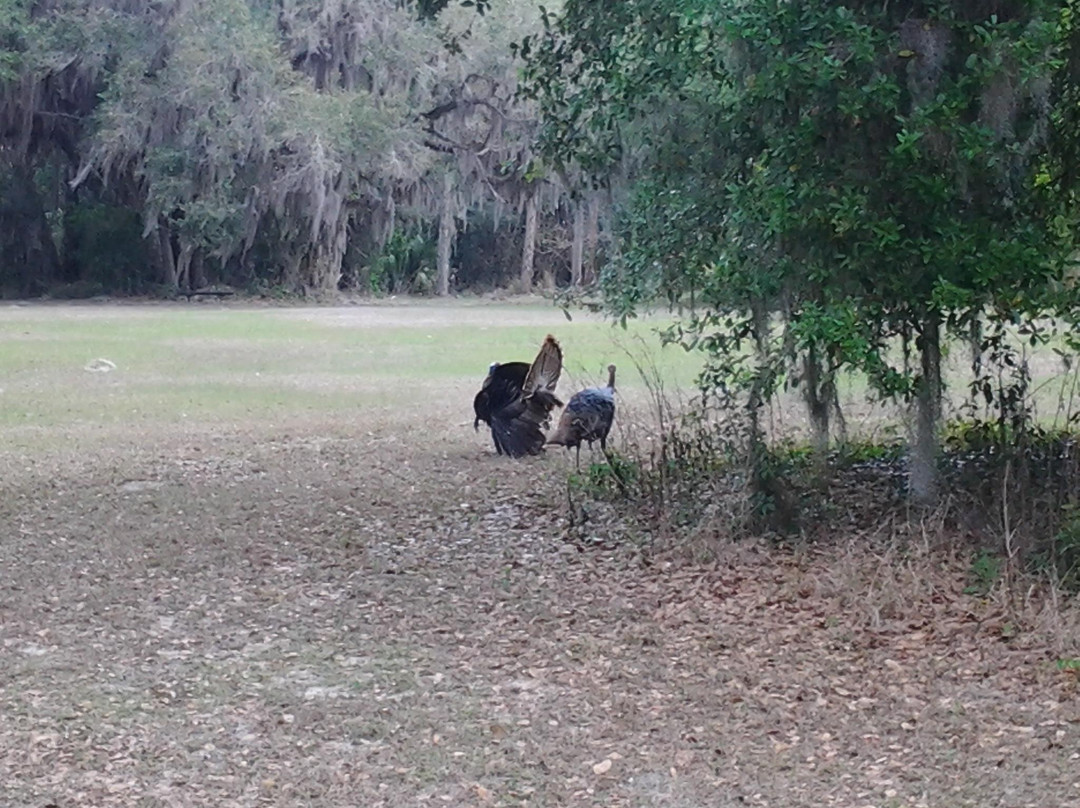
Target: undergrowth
{"points": [[690, 474]]}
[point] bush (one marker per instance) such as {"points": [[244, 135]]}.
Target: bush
{"points": [[405, 265], [1063, 553], [703, 474]]}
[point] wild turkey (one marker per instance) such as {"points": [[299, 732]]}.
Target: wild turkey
{"points": [[588, 417], [516, 401]]}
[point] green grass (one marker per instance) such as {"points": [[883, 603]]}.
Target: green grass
{"points": [[177, 364], [193, 364]]}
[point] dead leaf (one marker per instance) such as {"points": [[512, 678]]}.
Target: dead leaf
{"points": [[483, 794]]}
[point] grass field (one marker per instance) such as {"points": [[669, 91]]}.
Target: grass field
{"points": [[203, 364], [265, 561]]}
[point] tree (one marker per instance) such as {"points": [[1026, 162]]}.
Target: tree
{"points": [[480, 121], [240, 141], [836, 177], [261, 142]]}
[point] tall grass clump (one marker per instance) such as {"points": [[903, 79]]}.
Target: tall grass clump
{"points": [[685, 466]]}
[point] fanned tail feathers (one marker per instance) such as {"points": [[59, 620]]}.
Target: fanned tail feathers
{"points": [[546, 368], [538, 389]]}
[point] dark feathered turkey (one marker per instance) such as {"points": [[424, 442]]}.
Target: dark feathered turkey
{"points": [[588, 417], [516, 401]]}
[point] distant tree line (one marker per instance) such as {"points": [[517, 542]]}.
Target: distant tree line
{"points": [[287, 146]]}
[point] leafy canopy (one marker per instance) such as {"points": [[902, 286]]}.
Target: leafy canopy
{"points": [[865, 170]]}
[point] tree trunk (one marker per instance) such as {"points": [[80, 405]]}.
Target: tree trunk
{"points": [[446, 235], [528, 251], [775, 507], [292, 261], [324, 258], [183, 264], [839, 422], [975, 336], [592, 238], [166, 260], [923, 483], [822, 408], [577, 249], [197, 271], [391, 221], [815, 393]]}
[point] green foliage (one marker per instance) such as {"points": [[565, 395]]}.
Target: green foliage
{"points": [[430, 9], [1064, 552], [218, 107], [14, 26], [820, 183], [255, 140], [984, 573], [406, 264], [605, 480], [854, 452]]}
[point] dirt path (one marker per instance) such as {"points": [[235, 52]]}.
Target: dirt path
{"points": [[318, 613]]}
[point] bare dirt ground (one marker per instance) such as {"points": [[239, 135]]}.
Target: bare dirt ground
{"points": [[382, 613]]}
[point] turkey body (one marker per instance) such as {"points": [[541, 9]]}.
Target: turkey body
{"points": [[516, 401], [588, 417]]}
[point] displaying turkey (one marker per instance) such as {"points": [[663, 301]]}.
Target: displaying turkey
{"points": [[588, 417], [517, 398]]}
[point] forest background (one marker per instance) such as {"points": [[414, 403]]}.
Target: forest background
{"points": [[820, 191]]}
